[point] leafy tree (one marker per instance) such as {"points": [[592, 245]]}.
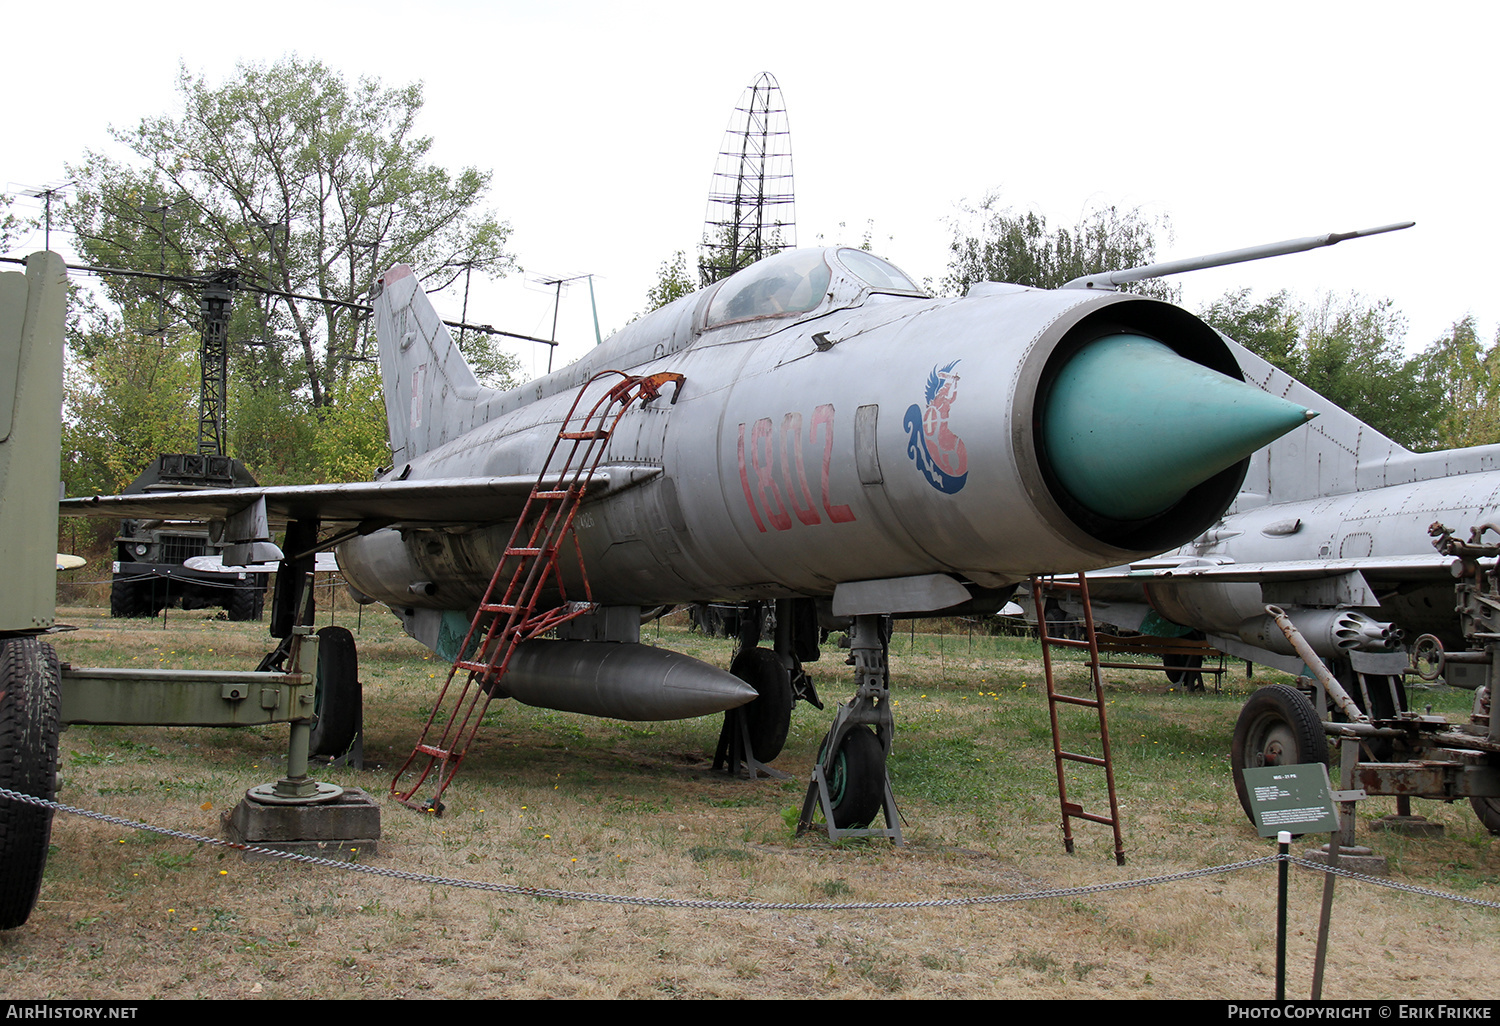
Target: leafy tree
{"points": [[127, 398], [1272, 328], [1348, 350], [12, 226], [1468, 377], [994, 243], [673, 281], [301, 181]]}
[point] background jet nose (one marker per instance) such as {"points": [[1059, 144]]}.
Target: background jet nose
{"points": [[1130, 427]]}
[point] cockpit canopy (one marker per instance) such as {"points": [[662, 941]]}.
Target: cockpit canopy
{"points": [[798, 280]]}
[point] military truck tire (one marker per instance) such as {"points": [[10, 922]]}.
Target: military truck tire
{"points": [[769, 716], [1277, 727], [245, 603], [30, 709], [339, 698], [856, 786], [126, 599]]}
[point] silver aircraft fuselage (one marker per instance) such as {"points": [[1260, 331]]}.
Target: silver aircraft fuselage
{"points": [[878, 435]]}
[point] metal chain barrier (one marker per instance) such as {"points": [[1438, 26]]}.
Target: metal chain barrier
{"points": [[748, 906], [1319, 867]]}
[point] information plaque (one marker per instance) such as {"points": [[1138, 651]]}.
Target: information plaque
{"points": [[1293, 798]]}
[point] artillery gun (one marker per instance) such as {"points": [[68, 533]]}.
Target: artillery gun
{"points": [[1395, 751]]}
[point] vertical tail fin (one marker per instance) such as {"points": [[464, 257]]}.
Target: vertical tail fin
{"points": [[429, 387], [1334, 454]]}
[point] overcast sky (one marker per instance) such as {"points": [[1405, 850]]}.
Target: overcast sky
{"points": [[1242, 123]]}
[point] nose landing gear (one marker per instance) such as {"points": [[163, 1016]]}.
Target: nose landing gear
{"points": [[849, 782]]}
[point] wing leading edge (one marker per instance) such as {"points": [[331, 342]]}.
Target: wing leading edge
{"points": [[432, 502], [1416, 566]]}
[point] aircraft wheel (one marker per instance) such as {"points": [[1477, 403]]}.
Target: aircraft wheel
{"points": [[30, 708], [339, 700], [769, 716], [1182, 670], [856, 787], [1277, 727]]}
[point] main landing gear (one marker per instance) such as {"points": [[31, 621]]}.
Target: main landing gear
{"points": [[755, 734]]}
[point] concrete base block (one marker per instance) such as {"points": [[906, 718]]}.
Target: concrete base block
{"points": [[1414, 826], [1356, 860], [346, 828]]}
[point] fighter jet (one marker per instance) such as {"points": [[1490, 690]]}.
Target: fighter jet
{"points": [[836, 442]]}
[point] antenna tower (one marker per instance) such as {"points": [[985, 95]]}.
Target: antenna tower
{"points": [[750, 205]]}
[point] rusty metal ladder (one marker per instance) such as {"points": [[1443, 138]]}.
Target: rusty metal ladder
{"points": [[508, 615], [1072, 810]]}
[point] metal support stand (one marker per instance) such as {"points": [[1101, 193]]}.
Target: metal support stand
{"points": [[1341, 847], [734, 754], [1404, 822], [298, 813]]}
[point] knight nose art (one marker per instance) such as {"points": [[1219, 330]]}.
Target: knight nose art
{"points": [[932, 445]]}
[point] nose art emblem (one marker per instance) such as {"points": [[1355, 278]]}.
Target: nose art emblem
{"points": [[938, 453]]}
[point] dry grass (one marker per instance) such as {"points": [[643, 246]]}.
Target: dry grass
{"points": [[554, 800]]}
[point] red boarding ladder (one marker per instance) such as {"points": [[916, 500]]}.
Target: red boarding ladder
{"points": [[527, 568], [1073, 810]]}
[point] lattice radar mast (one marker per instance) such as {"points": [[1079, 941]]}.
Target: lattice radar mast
{"points": [[751, 213]]}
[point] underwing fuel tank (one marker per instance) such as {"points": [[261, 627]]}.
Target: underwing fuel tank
{"points": [[619, 680]]}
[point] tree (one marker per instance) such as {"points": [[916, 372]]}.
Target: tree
{"points": [[993, 243], [1348, 350], [127, 398], [1468, 377], [299, 181], [673, 281], [12, 227], [1272, 328]]}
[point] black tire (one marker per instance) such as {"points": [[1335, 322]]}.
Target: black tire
{"points": [[30, 708], [856, 784], [340, 702], [769, 716], [125, 599], [1488, 811], [245, 602], [1277, 727], [1182, 670]]}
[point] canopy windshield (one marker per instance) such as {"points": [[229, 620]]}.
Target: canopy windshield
{"points": [[791, 282]]}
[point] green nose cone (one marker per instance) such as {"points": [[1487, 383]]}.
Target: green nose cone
{"points": [[1131, 427]]}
